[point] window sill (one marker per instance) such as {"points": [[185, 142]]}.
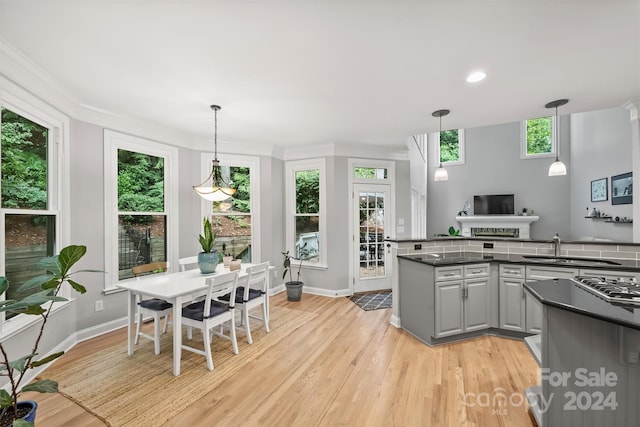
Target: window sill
{"points": [[21, 322], [314, 267], [112, 290]]}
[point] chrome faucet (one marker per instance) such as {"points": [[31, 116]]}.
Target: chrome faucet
{"points": [[556, 245]]}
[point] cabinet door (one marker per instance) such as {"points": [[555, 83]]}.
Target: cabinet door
{"points": [[512, 305], [533, 314], [476, 305], [448, 308]]}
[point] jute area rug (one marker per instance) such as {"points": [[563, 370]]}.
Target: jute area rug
{"points": [[141, 390]]}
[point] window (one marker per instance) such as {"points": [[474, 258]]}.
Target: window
{"points": [[30, 180], [537, 138], [306, 205], [370, 172], [451, 146], [141, 180], [233, 221]]}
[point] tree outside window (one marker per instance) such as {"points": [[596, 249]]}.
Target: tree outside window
{"points": [[30, 221], [141, 207], [307, 216], [539, 136]]}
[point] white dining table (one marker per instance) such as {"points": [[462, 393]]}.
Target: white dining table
{"points": [[177, 288]]}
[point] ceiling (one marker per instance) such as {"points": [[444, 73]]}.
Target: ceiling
{"points": [[290, 73]]}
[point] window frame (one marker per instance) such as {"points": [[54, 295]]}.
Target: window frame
{"points": [[253, 163], [58, 188], [461, 149], [523, 140], [114, 141], [290, 187]]}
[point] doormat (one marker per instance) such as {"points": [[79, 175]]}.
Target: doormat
{"points": [[372, 300]]}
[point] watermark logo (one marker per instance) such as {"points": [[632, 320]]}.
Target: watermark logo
{"points": [[587, 391]]}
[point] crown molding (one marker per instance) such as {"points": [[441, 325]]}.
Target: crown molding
{"points": [[632, 108], [345, 150]]}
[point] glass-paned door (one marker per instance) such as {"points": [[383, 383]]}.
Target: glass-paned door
{"points": [[371, 225]]}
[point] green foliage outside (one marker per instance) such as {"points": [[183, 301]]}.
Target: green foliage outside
{"points": [[24, 162], [449, 146], [241, 182], [308, 191], [539, 133], [140, 185], [360, 172]]}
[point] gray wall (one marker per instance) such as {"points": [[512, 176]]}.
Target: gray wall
{"points": [[493, 166], [601, 147]]}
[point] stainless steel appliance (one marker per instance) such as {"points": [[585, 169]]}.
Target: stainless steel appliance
{"points": [[618, 291]]}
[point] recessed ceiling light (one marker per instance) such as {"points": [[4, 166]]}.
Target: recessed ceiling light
{"points": [[476, 76]]}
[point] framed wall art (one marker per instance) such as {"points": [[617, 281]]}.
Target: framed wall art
{"points": [[621, 189], [600, 190]]}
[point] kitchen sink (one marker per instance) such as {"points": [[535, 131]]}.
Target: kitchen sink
{"points": [[569, 260]]}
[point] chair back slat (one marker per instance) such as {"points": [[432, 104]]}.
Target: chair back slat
{"points": [[221, 285], [187, 261], [256, 279]]}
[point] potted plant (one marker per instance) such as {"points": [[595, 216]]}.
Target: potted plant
{"points": [[42, 292], [294, 287], [208, 258]]}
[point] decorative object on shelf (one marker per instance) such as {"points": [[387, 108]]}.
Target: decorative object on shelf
{"points": [[218, 190], [441, 173], [208, 258], [465, 209], [557, 168], [622, 189], [600, 190], [234, 265], [453, 231]]}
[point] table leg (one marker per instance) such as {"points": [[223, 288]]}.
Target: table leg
{"points": [[131, 325], [177, 335]]}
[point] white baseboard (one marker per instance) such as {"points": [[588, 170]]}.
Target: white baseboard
{"points": [[395, 321], [314, 291], [101, 329]]}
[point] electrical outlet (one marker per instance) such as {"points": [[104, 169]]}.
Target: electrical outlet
{"points": [[99, 305]]}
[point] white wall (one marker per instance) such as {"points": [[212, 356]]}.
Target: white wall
{"points": [[601, 147], [493, 166]]}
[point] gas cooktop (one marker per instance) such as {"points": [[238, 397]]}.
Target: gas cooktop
{"points": [[618, 291]]}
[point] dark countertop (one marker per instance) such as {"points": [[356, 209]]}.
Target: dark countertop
{"points": [[453, 258], [507, 239], [565, 294]]}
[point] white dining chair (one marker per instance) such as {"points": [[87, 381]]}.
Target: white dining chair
{"points": [[250, 294], [155, 308], [211, 312], [188, 263]]}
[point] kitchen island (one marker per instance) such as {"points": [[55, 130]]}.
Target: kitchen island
{"points": [[588, 353]]}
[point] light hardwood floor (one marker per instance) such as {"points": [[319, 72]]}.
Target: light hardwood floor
{"points": [[352, 368]]}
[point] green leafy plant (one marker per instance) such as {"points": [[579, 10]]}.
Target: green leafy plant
{"points": [[209, 239], [453, 231], [42, 291]]}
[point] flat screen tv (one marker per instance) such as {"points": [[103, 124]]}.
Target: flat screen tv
{"points": [[493, 204]]}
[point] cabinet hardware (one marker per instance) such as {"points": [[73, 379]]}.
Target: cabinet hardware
{"points": [[476, 271], [449, 274]]}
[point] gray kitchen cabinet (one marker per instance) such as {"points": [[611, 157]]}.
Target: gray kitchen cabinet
{"points": [[462, 299], [533, 310], [512, 304]]}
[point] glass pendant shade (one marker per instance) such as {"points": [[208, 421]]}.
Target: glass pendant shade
{"points": [[557, 168], [214, 188], [441, 174]]}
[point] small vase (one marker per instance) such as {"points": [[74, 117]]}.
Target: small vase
{"points": [[234, 265], [226, 260], [208, 261]]}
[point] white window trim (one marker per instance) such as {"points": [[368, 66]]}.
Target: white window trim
{"points": [[59, 179], [461, 150], [290, 187], [523, 142], [390, 166], [252, 162], [112, 142]]}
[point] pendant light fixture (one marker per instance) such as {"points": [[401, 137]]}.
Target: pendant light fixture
{"points": [[557, 168], [214, 188], [441, 173]]}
